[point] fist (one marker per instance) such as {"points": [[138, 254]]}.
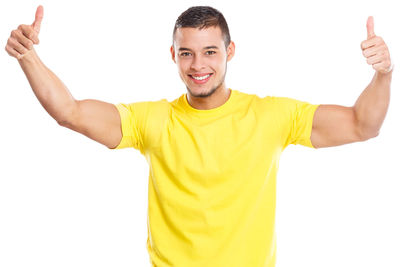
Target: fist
{"points": [[22, 39], [375, 50]]}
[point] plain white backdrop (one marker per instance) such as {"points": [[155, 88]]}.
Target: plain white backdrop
{"points": [[66, 200]]}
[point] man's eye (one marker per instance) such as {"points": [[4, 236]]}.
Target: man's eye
{"points": [[210, 52], [185, 54]]}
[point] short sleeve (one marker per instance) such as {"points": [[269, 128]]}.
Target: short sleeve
{"points": [[299, 121], [132, 117]]}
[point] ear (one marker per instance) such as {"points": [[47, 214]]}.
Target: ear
{"points": [[230, 51], [173, 53]]}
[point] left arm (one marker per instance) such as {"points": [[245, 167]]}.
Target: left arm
{"points": [[372, 104], [335, 125]]}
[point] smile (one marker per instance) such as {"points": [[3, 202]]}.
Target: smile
{"points": [[200, 79]]}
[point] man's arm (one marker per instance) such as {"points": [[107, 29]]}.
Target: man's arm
{"points": [[97, 120], [335, 125]]}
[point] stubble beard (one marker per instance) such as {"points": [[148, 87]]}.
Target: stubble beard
{"points": [[212, 91]]}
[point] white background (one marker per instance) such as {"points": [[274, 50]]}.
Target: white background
{"points": [[66, 200]]}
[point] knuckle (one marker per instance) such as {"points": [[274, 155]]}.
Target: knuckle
{"points": [[15, 33], [9, 51], [11, 41], [30, 44], [362, 44], [22, 27], [364, 53]]}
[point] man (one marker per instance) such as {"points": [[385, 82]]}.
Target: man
{"points": [[214, 151]]}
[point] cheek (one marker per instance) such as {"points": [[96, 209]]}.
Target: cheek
{"points": [[183, 65], [183, 69], [217, 63]]}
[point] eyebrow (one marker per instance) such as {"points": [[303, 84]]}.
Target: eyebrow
{"points": [[207, 47]]}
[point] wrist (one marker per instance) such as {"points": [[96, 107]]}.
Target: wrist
{"points": [[29, 57], [384, 76]]}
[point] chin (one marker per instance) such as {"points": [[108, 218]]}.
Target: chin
{"points": [[201, 92]]}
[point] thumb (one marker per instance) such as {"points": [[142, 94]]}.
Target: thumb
{"points": [[38, 19], [370, 27]]}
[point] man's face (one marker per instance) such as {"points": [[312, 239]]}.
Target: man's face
{"points": [[202, 59]]}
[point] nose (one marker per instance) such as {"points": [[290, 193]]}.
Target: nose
{"points": [[197, 63]]}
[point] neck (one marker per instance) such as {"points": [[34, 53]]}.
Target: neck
{"points": [[218, 98]]}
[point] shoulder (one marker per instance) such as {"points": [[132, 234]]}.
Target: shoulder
{"points": [[149, 107], [283, 102], [273, 103], [159, 105]]}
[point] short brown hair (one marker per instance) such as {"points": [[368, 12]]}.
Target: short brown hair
{"points": [[203, 17]]}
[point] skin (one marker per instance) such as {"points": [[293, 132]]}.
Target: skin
{"points": [[198, 59], [333, 125], [95, 119]]}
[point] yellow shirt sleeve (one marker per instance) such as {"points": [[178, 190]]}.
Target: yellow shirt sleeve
{"points": [[297, 120], [130, 126], [142, 124], [302, 126]]}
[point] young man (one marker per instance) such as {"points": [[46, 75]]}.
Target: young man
{"points": [[214, 151]]}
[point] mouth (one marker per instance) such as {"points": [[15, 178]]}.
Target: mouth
{"points": [[200, 78]]}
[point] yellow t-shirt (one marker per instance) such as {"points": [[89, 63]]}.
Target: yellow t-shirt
{"points": [[212, 180]]}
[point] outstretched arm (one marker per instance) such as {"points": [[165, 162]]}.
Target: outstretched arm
{"points": [[335, 125], [95, 119]]}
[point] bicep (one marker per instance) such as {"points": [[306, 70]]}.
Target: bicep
{"points": [[334, 125], [97, 120]]}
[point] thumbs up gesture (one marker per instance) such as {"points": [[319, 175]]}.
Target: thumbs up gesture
{"points": [[375, 50], [22, 39]]}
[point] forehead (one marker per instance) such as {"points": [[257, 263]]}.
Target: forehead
{"points": [[196, 38]]}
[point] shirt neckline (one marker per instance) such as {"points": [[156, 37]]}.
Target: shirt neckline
{"points": [[208, 112]]}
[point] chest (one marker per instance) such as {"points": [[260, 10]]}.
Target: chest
{"points": [[218, 147]]}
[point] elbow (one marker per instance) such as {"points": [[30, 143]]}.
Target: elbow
{"points": [[369, 135], [67, 118], [63, 123], [375, 134], [67, 122], [365, 133]]}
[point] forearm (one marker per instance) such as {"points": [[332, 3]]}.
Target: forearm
{"points": [[372, 104], [52, 94]]}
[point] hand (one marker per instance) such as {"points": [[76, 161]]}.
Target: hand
{"points": [[375, 50], [22, 39]]}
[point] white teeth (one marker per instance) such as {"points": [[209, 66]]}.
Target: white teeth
{"points": [[202, 77]]}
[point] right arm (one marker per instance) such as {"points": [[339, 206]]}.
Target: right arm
{"points": [[95, 119]]}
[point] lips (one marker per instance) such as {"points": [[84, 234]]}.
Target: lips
{"points": [[200, 75]]}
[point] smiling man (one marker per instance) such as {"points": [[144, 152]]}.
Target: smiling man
{"points": [[202, 55], [214, 151]]}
